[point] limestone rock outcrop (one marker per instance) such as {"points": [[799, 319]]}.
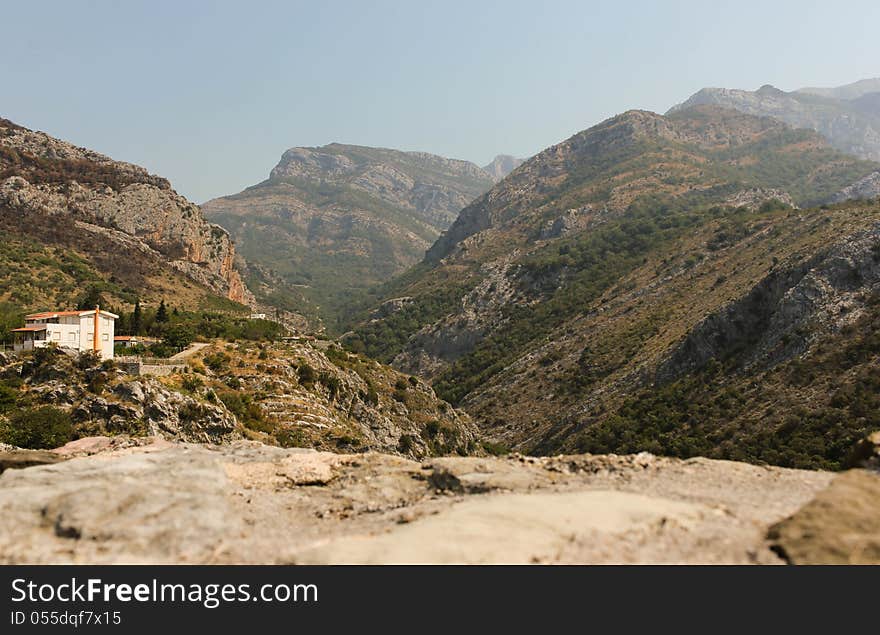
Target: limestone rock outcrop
{"points": [[41, 174]]}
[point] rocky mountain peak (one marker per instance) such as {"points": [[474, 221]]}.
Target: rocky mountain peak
{"points": [[501, 166], [847, 116], [339, 217]]}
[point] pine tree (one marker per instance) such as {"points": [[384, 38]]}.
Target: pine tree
{"points": [[162, 313], [90, 299], [137, 320]]}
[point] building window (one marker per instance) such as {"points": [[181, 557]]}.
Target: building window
{"points": [[71, 337], [105, 337]]}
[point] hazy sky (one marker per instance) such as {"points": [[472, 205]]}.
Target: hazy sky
{"points": [[209, 94]]}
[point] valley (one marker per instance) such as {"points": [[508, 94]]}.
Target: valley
{"points": [[668, 323], [331, 222]]}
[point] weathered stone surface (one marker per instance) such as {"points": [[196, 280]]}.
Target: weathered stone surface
{"points": [[755, 197], [123, 405], [840, 526], [866, 188], [250, 503]]}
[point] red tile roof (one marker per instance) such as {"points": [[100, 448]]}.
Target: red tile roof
{"points": [[27, 329], [52, 314]]}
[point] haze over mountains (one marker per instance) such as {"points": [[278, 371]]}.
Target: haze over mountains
{"points": [[501, 166], [848, 116], [647, 264], [704, 283], [337, 219]]}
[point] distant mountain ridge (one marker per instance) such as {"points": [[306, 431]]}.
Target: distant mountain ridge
{"points": [[336, 219], [849, 91], [848, 116], [501, 166]]}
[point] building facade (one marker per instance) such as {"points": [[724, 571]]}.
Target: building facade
{"points": [[81, 331]]}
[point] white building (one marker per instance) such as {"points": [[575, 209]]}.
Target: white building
{"points": [[78, 330]]}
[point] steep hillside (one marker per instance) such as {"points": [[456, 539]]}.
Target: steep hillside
{"points": [[848, 116], [127, 231], [293, 395], [574, 282], [334, 220]]}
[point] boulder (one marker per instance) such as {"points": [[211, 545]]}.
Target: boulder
{"points": [[841, 525]]}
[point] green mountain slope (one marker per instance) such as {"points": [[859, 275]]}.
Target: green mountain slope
{"points": [[573, 282], [332, 221]]}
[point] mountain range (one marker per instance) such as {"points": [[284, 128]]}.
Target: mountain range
{"points": [[335, 220], [848, 116], [630, 287], [703, 282]]}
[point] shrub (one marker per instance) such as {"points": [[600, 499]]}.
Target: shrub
{"points": [[35, 428], [243, 407], [192, 383], [97, 382], [8, 397], [216, 361], [495, 449], [307, 375], [406, 443], [291, 439], [332, 383], [371, 396]]}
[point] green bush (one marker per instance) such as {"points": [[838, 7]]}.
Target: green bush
{"points": [[8, 397], [495, 449], [217, 361], [242, 405], [307, 375], [36, 428]]}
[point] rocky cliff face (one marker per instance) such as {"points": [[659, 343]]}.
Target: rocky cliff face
{"points": [[41, 174], [849, 117], [334, 220], [432, 187]]}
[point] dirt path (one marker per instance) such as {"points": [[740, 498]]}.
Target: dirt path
{"points": [[189, 351]]}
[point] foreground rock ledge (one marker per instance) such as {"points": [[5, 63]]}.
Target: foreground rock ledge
{"points": [[250, 503]]}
